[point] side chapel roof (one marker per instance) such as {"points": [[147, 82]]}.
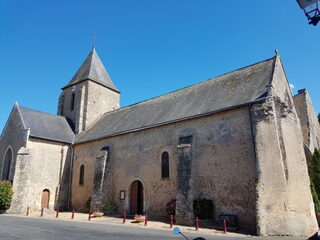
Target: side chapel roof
{"points": [[46, 126], [234, 89], [92, 69]]}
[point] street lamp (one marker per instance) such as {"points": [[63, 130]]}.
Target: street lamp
{"points": [[311, 10]]}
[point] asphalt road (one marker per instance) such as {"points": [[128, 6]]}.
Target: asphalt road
{"points": [[27, 228]]}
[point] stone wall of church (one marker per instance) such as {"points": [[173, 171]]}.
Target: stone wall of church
{"points": [[284, 202], [73, 114], [21, 181], [222, 166], [91, 101], [99, 101], [308, 120], [48, 168], [14, 136]]}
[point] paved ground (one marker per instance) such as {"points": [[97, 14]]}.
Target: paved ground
{"points": [[49, 228]]}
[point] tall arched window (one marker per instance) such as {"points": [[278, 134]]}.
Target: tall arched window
{"points": [[7, 165], [165, 165], [72, 101], [81, 175]]}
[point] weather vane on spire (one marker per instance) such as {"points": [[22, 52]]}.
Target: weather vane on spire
{"points": [[94, 38]]}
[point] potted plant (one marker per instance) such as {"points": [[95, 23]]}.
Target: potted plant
{"points": [[171, 207], [97, 214], [110, 210]]}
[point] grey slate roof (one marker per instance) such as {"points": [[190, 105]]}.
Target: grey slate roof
{"points": [[92, 69], [47, 126], [236, 88]]}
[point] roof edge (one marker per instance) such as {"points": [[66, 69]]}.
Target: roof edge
{"points": [[51, 139], [52, 114], [88, 79], [173, 121], [189, 86], [15, 106]]}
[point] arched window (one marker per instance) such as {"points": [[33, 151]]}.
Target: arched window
{"points": [[81, 175], [72, 101], [164, 165], [7, 165]]}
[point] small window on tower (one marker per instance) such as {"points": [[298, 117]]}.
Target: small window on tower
{"points": [[62, 105], [72, 101]]}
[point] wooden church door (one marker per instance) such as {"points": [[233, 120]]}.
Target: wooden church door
{"points": [[45, 198], [136, 198]]}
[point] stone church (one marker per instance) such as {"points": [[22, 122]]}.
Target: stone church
{"points": [[240, 139]]}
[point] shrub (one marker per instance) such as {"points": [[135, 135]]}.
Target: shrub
{"points": [[315, 198], [111, 208], [6, 193], [171, 207], [316, 170], [315, 180], [203, 208]]}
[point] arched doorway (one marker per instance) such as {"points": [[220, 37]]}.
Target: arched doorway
{"points": [[136, 198], [45, 198]]}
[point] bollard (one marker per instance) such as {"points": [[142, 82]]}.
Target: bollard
{"points": [[27, 214], [124, 218], [41, 215], [224, 225], [197, 223], [171, 221], [72, 215], [146, 220], [57, 213], [89, 217]]}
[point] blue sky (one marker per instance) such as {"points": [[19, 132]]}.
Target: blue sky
{"points": [[149, 47]]}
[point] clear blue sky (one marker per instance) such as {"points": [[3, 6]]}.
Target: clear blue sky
{"points": [[149, 47]]}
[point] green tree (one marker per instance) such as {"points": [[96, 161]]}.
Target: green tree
{"points": [[316, 170], [315, 197], [6, 193]]}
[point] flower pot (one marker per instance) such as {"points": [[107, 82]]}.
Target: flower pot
{"points": [[97, 214], [139, 218]]}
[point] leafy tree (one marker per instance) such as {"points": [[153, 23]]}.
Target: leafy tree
{"points": [[315, 197], [6, 193], [316, 170], [319, 118]]}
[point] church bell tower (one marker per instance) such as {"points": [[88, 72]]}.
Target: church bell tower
{"points": [[88, 95]]}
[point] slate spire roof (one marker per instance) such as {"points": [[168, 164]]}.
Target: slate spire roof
{"points": [[92, 69]]}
